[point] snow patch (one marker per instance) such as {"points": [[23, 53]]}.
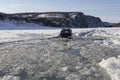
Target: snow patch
{"points": [[9, 77], [112, 66], [117, 42], [101, 33], [112, 41], [65, 68], [110, 37], [12, 25], [50, 16], [16, 35], [73, 16], [26, 16]]}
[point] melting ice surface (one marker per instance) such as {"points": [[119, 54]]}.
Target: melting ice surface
{"points": [[36, 53]]}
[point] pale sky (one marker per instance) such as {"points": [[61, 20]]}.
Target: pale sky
{"points": [[107, 10]]}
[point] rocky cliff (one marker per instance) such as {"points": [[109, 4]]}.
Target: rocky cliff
{"points": [[55, 19], [116, 25]]}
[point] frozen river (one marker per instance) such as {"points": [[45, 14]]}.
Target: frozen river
{"points": [[55, 59]]}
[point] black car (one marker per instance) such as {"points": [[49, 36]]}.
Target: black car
{"points": [[66, 33]]}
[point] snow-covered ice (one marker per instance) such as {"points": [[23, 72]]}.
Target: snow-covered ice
{"points": [[36, 53], [112, 66], [16, 35], [10, 78]]}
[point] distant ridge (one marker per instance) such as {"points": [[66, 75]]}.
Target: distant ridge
{"points": [[117, 25], [55, 19]]}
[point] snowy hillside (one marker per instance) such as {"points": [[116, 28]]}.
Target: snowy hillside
{"points": [[8, 25], [55, 19], [92, 54]]}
